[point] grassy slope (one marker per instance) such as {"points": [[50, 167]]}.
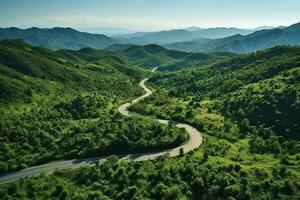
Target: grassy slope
{"points": [[258, 40]]}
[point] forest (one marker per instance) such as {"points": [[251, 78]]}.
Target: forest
{"points": [[246, 88], [246, 106], [250, 101], [53, 108]]}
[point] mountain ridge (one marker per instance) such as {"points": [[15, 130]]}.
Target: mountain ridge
{"points": [[57, 37], [237, 43]]}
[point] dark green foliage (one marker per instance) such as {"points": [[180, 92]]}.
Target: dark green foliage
{"points": [[163, 179], [241, 106], [242, 156], [63, 105], [46, 71], [150, 56], [260, 89], [273, 103]]}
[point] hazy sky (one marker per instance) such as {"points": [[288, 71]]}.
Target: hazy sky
{"points": [[148, 14]]}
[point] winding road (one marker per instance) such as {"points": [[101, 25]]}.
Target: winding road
{"points": [[195, 140]]}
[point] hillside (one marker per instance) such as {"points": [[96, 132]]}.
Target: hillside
{"points": [[229, 101], [149, 100], [63, 105], [18, 59], [259, 89], [57, 38], [258, 40], [150, 56], [248, 108]]}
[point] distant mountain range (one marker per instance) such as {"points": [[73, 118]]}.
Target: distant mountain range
{"points": [[179, 35], [153, 55], [190, 39], [109, 31], [57, 38], [243, 43]]}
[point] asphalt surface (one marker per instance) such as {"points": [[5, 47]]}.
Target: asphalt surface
{"points": [[195, 140]]}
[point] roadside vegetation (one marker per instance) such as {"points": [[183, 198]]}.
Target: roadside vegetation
{"points": [[63, 105], [247, 108]]}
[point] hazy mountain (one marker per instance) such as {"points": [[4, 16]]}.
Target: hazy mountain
{"points": [[220, 32], [264, 27], [109, 31], [193, 28], [191, 45], [180, 35], [57, 38], [238, 43], [161, 37]]}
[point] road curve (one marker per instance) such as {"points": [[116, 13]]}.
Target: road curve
{"points": [[195, 140]]}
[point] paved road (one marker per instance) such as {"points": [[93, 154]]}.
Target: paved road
{"points": [[195, 140]]}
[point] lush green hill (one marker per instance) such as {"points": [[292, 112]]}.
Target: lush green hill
{"points": [[63, 105], [118, 47], [150, 56], [76, 68], [240, 44], [248, 109], [242, 156], [262, 87], [57, 38]]}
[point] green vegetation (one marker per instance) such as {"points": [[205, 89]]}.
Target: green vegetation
{"points": [[193, 176], [57, 38], [150, 56], [63, 105], [258, 89], [247, 108]]}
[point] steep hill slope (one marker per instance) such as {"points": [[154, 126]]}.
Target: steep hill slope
{"points": [[260, 89], [63, 105], [24, 61], [57, 38], [241, 157], [248, 109]]}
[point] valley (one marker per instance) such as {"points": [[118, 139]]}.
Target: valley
{"points": [[246, 154], [194, 141], [150, 100]]}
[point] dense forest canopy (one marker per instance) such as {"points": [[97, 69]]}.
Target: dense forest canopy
{"points": [[260, 88], [57, 105], [63, 105]]}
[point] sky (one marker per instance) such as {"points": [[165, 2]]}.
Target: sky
{"points": [[148, 15]]}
